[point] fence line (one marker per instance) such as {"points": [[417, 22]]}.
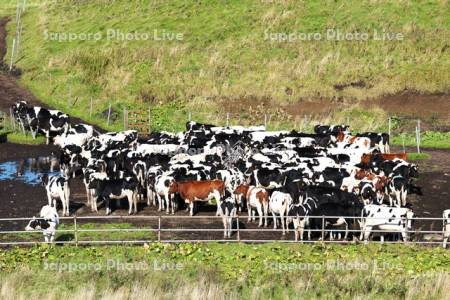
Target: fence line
{"points": [[159, 229]]}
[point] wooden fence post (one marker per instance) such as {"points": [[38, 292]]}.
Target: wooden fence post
{"points": [[109, 113], [238, 233], [228, 119], [125, 118], [265, 121], [323, 228], [12, 54], [159, 228], [149, 120], [75, 230], [418, 136], [389, 127]]}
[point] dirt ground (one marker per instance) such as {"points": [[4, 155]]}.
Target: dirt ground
{"points": [[18, 199]]}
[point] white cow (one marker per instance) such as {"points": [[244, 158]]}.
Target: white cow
{"points": [[162, 185], [48, 222], [279, 204]]}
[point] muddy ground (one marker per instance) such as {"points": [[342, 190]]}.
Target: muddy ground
{"points": [[18, 199]]}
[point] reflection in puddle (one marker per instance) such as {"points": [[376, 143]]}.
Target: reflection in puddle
{"points": [[28, 170]]}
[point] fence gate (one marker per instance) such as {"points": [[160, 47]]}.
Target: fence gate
{"points": [[138, 120]]}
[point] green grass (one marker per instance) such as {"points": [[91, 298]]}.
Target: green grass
{"points": [[86, 232], [25, 139], [429, 139], [224, 54], [244, 271], [419, 156]]}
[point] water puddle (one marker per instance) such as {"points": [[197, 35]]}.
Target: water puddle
{"points": [[28, 170]]}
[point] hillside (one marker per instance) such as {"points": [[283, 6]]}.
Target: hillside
{"points": [[209, 56]]}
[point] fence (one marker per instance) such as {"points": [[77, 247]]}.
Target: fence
{"points": [[177, 229]]}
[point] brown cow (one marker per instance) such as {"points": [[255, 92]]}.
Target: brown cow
{"points": [[206, 190], [367, 158], [257, 198]]}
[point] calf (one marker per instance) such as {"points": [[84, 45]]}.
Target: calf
{"points": [[57, 187], [205, 190], [162, 189], [47, 222], [256, 198], [446, 226], [391, 219], [228, 210], [278, 204]]}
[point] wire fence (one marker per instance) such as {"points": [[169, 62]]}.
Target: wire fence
{"points": [[90, 230]]}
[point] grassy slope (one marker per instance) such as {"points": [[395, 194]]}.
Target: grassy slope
{"points": [[224, 53], [253, 271]]}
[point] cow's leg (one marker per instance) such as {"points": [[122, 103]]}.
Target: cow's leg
{"points": [[167, 198], [249, 211], [160, 204], [398, 198], [49, 198], [107, 205], [282, 222], [274, 220], [225, 222], [88, 194], [149, 193], [260, 213], [366, 233], [295, 223], [404, 194], [446, 236], [218, 201], [346, 231], [266, 212], [63, 202], [191, 208]]}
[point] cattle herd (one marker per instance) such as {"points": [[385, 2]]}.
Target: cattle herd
{"points": [[352, 179]]}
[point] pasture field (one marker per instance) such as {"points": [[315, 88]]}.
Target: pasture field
{"points": [[225, 271], [227, 55]]}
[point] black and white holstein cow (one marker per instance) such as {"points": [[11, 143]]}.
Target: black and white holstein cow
{"points": [[107, 189], [228, 211], [446, 226], [38, 119], [48, 222], [57, 187], [385, 218]]}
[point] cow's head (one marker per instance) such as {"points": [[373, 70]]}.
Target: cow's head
{"points": [[37, 224], [241, 190], [413, 171], [173, 187], [44, 179]]}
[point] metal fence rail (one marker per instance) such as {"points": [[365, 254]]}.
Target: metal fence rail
{"points": [[161, 231]]}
